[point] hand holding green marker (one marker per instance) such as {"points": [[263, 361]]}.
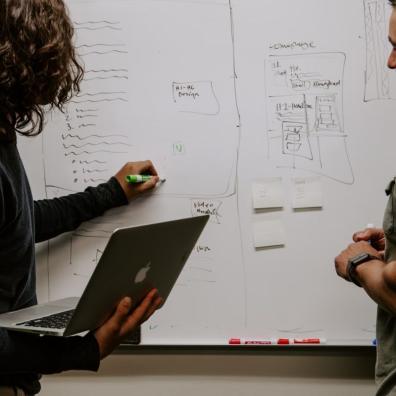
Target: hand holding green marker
{"points": [[134, 179]]}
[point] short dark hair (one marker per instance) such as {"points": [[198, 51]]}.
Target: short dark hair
{"points": [[38, 63], [392, 3]]}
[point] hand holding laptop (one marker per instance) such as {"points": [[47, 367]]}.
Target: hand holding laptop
{"points": [[118, 274], [123, 322]]}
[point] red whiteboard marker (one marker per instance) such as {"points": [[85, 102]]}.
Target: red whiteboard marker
{"points": [[240, 341]]}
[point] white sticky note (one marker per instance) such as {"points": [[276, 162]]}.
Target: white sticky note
{"points": [[307, 193], [269, 233], [268, 193]]}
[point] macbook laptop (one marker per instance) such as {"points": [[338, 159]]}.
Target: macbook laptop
{"points": [[135, 260]]}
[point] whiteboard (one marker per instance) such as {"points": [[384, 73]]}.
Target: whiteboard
{"points": [[222, 95]]}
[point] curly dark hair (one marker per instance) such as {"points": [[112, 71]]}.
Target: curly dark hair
{"points": [[38, 63]]}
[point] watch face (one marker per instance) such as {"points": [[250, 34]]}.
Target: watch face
{"points": [[360, 258]]}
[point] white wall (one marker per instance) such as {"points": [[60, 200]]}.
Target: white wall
{"points": [[342, 372]]}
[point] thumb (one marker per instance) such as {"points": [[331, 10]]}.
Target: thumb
{"points": [[362, 236], [150, 184]]}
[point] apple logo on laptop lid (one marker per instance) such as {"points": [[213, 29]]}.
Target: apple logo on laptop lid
{"points": [[142, 273]]}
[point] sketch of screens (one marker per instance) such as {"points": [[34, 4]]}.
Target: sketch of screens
{"points": [[380, 83], [305, 112], [168, 98]]}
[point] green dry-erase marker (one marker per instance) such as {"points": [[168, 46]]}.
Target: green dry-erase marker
{"points": [[140, 178]]}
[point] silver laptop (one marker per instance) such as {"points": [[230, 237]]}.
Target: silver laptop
{"points": [[135, 260]]}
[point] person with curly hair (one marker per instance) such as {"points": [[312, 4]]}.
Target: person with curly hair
{"points": [[39, 68], [370, 262]]}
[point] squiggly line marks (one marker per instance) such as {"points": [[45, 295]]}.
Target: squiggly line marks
{"points": [[89, 136], [98, 28], [97, 22], [86, 110], [76, 154], [99, 100], [101, 93], [93, 162], [100, 45], [94, 144], [94, 180], [116, 74], [106, 71], [95, 170], [106, 78], [86, 125], [87, 116], [104, 52]]}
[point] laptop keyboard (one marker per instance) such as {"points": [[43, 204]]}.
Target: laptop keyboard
{"points": [[55, 321]]}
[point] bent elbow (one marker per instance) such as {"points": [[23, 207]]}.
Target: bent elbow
{"points": [[389, 276], [389, 279]]}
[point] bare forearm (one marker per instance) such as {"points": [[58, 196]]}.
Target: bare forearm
{"points": [[379, 282]]}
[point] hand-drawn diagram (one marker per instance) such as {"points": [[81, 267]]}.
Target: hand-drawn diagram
{"points": [[126, 103], [305, 106], [379, 82], [94, 138], [140, 100], [133, 106]]}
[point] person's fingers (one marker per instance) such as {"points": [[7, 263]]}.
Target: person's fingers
{"points": [[156, 305], [161, 302], [135, 318], [377, 234], [378, 244], [143, 168], [115, 322], [146, 186], [150, 184], [148, 167], [370, 234], [139, 168], [361, 236]]}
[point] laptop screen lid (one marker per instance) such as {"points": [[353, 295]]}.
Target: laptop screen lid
{"points": [[135, 260]]}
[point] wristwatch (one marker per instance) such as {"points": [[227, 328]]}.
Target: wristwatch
{"points": [[356, 261]]}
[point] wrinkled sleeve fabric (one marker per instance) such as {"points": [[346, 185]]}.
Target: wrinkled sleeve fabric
{"points": [[2, 206], [22, 353], [56, 216]]}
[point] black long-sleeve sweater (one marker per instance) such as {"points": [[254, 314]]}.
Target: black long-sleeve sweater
{"points": [[23, 222]]}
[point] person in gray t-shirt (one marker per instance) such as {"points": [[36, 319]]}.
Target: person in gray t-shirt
{"points": [[370, 262]]}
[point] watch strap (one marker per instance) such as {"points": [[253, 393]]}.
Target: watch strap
{"points": [[355, 262]]}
